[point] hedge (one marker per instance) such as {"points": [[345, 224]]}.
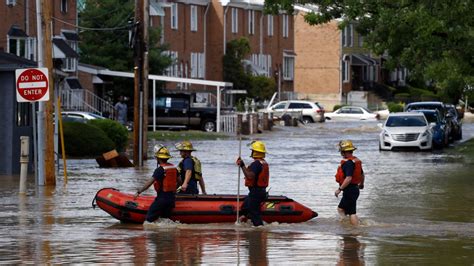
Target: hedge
{"points": [[85, 140]]}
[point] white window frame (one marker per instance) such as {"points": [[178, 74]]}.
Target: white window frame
{"points": [[11, 2], [173, 69], [19, 42], [64, 6], [70, 64], [285, 25], [193, 18], [251, 20], [288, 67], [174, 16], [348, 36], [345, 69], [235, 20], [270, 25]]}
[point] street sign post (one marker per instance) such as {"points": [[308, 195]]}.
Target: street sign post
{"points": [[32, 85]]}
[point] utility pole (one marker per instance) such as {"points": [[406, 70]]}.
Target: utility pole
{"points": [[140, 102], [50, 174]]}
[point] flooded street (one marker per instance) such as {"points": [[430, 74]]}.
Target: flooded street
{"points": [[416, 208]]}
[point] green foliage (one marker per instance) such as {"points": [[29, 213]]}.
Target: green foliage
{"points": [[111, 48], [114, 131], [433, 39], [84, 140], [258, 87], [261, 87], [394, 107], [337, 106]]}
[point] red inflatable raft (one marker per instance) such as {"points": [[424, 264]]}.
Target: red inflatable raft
{"points": [[195, 209]]}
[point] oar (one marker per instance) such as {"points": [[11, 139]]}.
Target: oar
{"points": [[238, 179]]}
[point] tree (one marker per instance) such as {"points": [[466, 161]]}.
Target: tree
{"points": [[433, 39], [257, 87], [105, 40]]}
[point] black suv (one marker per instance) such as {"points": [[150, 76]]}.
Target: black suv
{"points": [[454, 119]]}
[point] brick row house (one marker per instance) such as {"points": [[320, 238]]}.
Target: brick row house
{"points": [[333, 67], [18, 33], [197, 31]]}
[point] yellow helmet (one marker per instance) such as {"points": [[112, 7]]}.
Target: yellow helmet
{"points": [[185, 146], [346, 145], [161, 152], [258, 146]]}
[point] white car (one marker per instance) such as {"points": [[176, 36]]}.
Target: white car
{"points": [[352, 113], [79, 116], [310, 111], [406, 130]]}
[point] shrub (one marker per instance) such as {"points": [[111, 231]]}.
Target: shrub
{"points": [[402, 97], [114, 130], [337, 106], [84, 140], [395, 107]]}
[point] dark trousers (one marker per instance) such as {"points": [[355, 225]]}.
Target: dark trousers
{"points": [[252, 205], [161, 206]]}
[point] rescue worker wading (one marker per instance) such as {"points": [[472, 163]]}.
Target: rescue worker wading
{"points": [[257, 176], [189, 170], [350, 177], [165, 180]]}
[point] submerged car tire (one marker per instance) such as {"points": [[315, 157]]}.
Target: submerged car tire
{"points": [[307, 120], [208, 125]]}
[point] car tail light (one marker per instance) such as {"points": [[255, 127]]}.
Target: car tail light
{"points": [[318, 111]]}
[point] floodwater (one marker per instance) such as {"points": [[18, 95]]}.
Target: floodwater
{"points": [[416, 208]]}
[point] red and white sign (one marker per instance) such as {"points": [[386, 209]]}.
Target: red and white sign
{"points": [[32, 85]]}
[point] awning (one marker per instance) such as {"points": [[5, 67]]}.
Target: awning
{"points": [[362, 60], [62, 50], [156, 9], [289, 53], [71, 36], [15, 31], [73, 83], [255, 69]]}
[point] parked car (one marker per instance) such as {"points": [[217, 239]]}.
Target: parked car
{"points": [[454, 118], [352, 112], [406, 130], [175, 110], [431, 106], [79, 116], [439, 127], [311, 111]]}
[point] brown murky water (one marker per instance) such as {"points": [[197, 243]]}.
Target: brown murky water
{"points": [[416, 209]]}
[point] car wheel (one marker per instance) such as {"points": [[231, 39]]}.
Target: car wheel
{"points": [[209, 125], [307, 119]]}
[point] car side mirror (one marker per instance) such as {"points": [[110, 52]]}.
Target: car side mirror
{"points": [[380, 125]]}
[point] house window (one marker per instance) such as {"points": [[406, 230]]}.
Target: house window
{"points": [[194, 21], [70, 63], [64, 6], [11, 2], [285, 26], [174, 16], [347, 36], [288, 67], [251, 14], [173, 69], [18, 46], [235, 20], [23, 114], [345, 70], [270, 25], [197, 65], [361, 40]]}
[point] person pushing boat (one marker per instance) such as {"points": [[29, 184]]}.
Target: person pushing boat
{"points": [[165, 179], [257, 176], [190, 170]]}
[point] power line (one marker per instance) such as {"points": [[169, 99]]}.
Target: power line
{"points": [[94, 29]]}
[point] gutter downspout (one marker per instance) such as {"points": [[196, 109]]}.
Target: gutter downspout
{"points": [[225, 28], [205, 38]]}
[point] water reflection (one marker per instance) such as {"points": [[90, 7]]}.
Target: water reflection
{"points": [[351, 251]]}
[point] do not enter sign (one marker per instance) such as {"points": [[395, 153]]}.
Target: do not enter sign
{"points": [[32, 85]]}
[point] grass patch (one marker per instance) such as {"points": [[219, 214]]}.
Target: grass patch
{"points": [[185, 135]]}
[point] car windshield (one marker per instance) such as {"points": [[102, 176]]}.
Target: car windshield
{"points": [[431, 117], [406, 121]]}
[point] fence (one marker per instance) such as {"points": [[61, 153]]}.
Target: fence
{"points": [[246, 123]]}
